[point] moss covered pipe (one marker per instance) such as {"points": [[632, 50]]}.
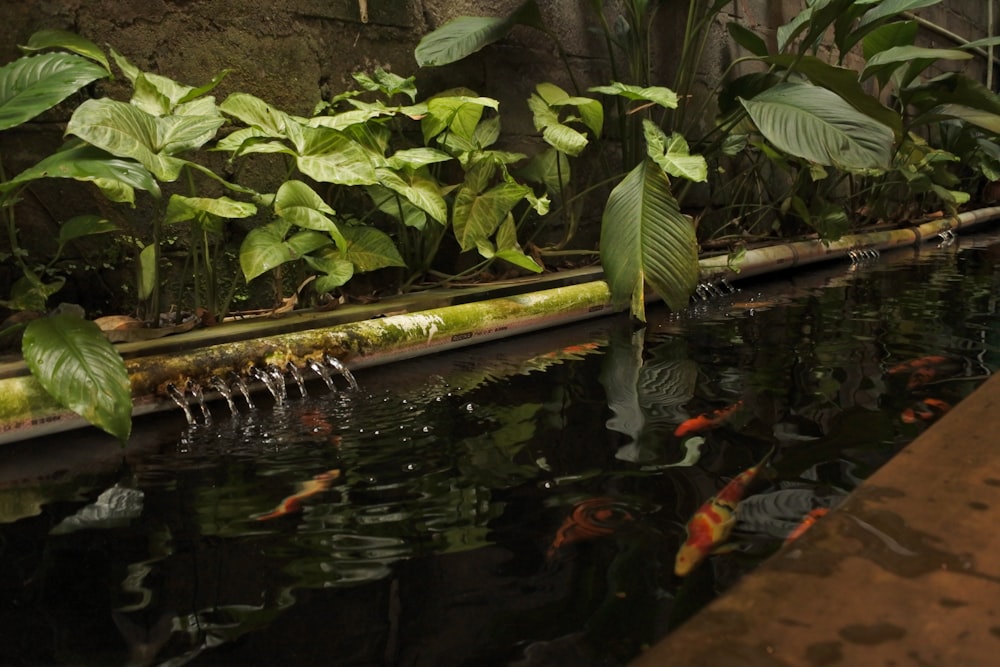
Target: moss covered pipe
{"points": [[787, 255], [26, 410]]}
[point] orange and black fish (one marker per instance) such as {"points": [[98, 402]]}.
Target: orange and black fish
{"points": [[590, 519], [293, 503], [811, 518], [923, 369], [707, 420], [710, 526], [926, 410]]}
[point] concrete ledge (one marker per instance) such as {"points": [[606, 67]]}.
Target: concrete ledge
{"points": [[905, 572]]}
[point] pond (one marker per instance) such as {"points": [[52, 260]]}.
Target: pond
{"points": [[519, 503]]}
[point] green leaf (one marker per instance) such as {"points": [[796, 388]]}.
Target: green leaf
{"points": [[842, 81], [673, 155], [74, 361], [265, 248], [329, 156], [388, 83], [147, 271], [336, 271], [646, 239], [476, 216], [33, 84], [257, 113], [458, 114], [421, 191], [556, 134], [181, 208], [68, 41], [30, 293], [393, 204], [84, 225], [509, 250], [550, 168], [978, 117], [816, 124], [663, 96], [412, 158], [915, 58], [126, 131], [746, 38], [897, 33], [87, 163], [876, 17], [465, 35], [299, 204], [369, 249]]}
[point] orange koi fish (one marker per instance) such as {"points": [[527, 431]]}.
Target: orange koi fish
{"points": [[711, 524], [927, 410], [590, 519], [293, 503], [707, 420], [811, 518], [921, 370]]}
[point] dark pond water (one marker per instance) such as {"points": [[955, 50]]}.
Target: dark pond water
{"points": [[423, 519]]}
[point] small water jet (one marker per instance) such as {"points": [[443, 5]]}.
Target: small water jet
{"points": [[296, 374], [240, 383], [268, 380], [178, 397], [322, 371], [225, 391], [278, 376], [338, 366], [199, 396]]}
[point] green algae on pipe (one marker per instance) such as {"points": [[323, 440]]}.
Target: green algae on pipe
{"points": [[797, 253], [26, 410]]}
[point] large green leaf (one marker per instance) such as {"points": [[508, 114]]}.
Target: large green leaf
{"points": [[32, 84], [397, 206], [335, 269], [978, 117], [421, 191], [181, 208], [842, 81], [300, 205], [329, 156], [875, 18], [556, 134], [265, 248], [458, 114], [508, 249], [646, 239], [816, 124], [84, 225], [88, 163], [465, 35], [74, 361], [476, 215], [68, 41], [914, 58], [126, 131], [369, 249], [257, 113]]}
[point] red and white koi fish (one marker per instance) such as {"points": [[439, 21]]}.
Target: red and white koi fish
{"points": [[293, 503], [926, 410], [590, 519], [711, 524], [707, 420], [811, 518], [922, 370]]}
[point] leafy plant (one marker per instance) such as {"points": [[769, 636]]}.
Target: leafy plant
{"points": [[69, 356]]}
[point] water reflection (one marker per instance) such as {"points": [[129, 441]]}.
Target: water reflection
{"points": [[505, 505]]}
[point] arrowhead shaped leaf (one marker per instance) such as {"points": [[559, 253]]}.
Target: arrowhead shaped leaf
{"points": [[265, 248], [646, 239], [74, 361], [88, 163], [32, 84], [369, 249], [477, 215]]}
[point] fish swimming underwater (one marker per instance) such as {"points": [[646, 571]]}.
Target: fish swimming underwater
{"points": [[926, 410], [293, 503], [707, 420], [711, 524], [811, 518], [922, 370], [590, 519]]}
